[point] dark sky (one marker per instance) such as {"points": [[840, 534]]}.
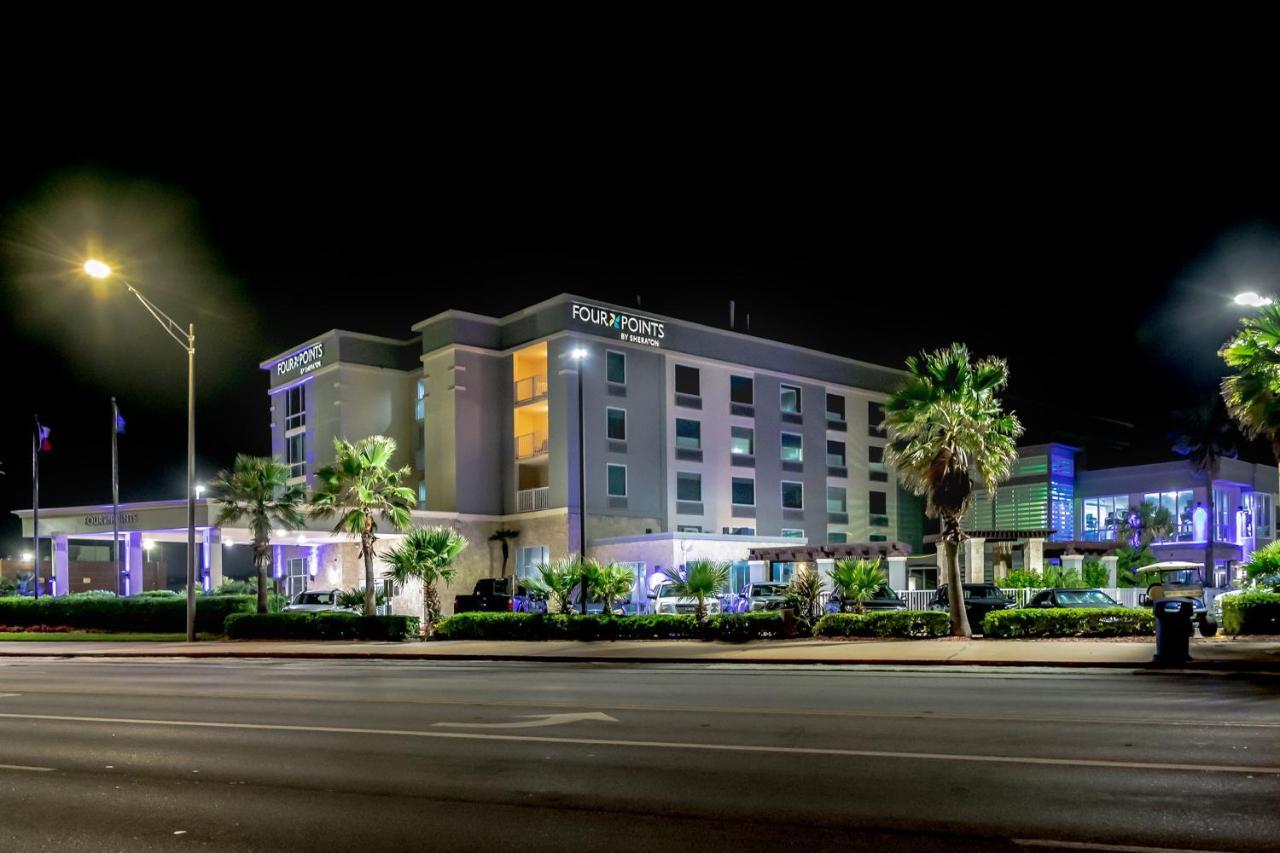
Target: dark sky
{"points": [[1101, 268]]}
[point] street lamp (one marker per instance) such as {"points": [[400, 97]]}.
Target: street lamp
{"points": [[186, 340], [578, 355], [1252, 299]]}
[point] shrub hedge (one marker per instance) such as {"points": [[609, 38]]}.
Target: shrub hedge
{"points": [[740, 627], [140, 614], [1251, 613], [319, 626], [885, 623], [1068, 622], [557, 626]]}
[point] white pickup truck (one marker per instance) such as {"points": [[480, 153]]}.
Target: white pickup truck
{"points": [[665, 601]]}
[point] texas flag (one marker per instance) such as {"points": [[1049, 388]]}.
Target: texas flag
{"points": [[45, 446]]}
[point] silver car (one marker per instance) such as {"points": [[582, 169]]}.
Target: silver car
{"points": [[315, 601]]}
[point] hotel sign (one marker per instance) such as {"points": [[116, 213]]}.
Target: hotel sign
{"points": [[302, 362], [104, 519], [631, 328]]}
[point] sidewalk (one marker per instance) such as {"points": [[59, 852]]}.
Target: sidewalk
{"points": [[1206, 654]]}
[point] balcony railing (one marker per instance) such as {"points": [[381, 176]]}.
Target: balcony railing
{"points": [[530, 388], [532, 500], [531, 444]]}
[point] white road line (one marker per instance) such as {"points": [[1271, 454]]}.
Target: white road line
{"points": [[644, 744], [1108, 848], [24, 767]]}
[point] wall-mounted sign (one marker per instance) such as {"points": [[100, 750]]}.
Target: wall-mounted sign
{"points": [[103, 519], [631, 328], [302, 362]]}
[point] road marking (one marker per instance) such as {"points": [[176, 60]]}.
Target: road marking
{"points": [[539, 721], [644, 744], [6, 695], [24, 767], [1109, 848]]}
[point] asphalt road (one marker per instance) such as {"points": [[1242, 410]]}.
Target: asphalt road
{"points": [[285, 755]]}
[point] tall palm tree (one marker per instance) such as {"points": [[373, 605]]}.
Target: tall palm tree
{"points": [[504, 535], [699, 580], [426, 554], [360, 487], [557, 580], [945, 425], [256, 491], [857, 580], [1252, 394], [1204, 436]]}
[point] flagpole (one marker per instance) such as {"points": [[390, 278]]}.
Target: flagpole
{"points": [[35, 504], [115, 497]]}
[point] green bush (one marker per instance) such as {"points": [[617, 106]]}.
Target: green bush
{"points": [[885, 623], [92, 593], [161, 593], [319, 626], [140, 614], [1251, 613], [1068, 622], [740, 627], [557, 626]]}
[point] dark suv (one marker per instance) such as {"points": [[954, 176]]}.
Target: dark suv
{"points": [[979, 600], [884, 599]]}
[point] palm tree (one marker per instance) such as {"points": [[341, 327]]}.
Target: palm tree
{"points": [[1144, 524], [946, 425], [1252, 395], [557, 580], [426, 554], [699, 580], [610, 582], [360, 488], [504, 535], [256, 490], [1205, 436], [857, 580], [804, 593]]}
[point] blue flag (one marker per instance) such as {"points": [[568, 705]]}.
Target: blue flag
{"points": [[119, 423]]}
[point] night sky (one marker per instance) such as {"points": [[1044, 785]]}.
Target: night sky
{"points": [[1103, 275]]}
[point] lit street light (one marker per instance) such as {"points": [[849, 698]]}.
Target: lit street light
{"points": [[1252, 299], [187, 340]]}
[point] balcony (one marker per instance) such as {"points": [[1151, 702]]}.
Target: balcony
{"points": [[531, 445], [532, 500], [529, 388]]}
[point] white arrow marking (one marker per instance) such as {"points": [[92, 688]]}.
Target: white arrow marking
{"points": [[538, 721]]}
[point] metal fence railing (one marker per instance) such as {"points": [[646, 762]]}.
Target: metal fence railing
{"points": [[530, 388], [918, 599], [531, 500], [531, 444]]}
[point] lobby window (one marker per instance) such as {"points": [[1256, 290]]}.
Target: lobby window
{"points": [[835, 408], [790, 398], [742, 389], [689, 487], [836, 499], [835, 537], [616, 424], [688, 434], [792, 447], [744, 491], [792, 533], [529, 557], [875, 417], [1101, 517], [295, 454], [617, 475], [835, 454], [295, 407], [615, 367], [420, 401], [742, 441], [792, 495], [688, 381], [876, 471], [878, 506], [1182, 511]]}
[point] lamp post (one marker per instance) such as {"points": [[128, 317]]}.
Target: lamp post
{"points": [[186, 340], [579, 355]]}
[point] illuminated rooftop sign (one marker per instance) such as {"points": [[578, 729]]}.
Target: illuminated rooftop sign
{"points": [[630, 328], [302, 362]]}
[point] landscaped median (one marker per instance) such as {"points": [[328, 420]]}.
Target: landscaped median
{"points": [[319, 626], [141, 614], [1068, 622]]}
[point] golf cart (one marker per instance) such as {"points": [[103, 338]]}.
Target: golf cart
{"points": [[1179, 579]]}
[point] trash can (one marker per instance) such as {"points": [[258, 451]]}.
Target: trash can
{"points": [[1173, 630]]}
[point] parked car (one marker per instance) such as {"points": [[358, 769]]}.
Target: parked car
{"points": [[315, 601], [979, 600], [884, 599], [666, 601], [1072, 598], [757, 595], [495, 595]]}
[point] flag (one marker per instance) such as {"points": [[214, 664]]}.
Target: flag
{"points": [[119, 423], [45, 446]]}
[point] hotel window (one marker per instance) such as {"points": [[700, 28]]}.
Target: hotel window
{"points": [[422, 495], [688, 434], [835, 454], [616, 424], [878, 506], [792, 495], [837, 538], [836, 499], [742, 389], [420, 404], [744, 491], [739, 576], [295, 407], [615, 367], [792, 533], [295, 455], [1182, 513], [875, 417], [688, 381], [876, 471], [792, 447], [617, 475], [529, 557], [689, 487], [1100, 517], [740, 531], [688, 528], [790, 398], [835, 408], [742, 441]]}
